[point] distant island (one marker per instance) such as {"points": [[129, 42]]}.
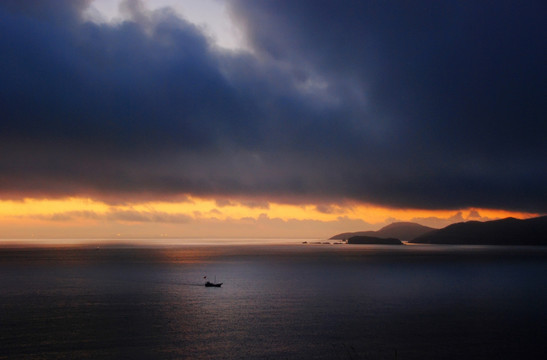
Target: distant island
{"points": [[403, 231], [371, 240], [509, 231]]}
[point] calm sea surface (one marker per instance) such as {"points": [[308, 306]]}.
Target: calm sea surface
{"points": [[277, 302]]}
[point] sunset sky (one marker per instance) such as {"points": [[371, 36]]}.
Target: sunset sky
{"points": [[264, 119]]}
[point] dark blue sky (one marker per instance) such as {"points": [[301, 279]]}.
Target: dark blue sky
{"points": [[427, 104]]}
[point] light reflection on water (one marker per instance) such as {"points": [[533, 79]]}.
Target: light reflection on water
{"points": [[346, 302]]}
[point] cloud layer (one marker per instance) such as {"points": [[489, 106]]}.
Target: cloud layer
{"points": [[429, 105]]}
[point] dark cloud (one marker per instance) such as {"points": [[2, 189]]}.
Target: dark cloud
{"points": [[329, 209], [429, 105], [256, 204], [224, 202], [452, 94]]}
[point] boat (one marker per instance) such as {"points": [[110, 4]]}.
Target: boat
{"points": [[212, 284]]}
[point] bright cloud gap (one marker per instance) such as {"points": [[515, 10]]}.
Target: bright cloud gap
{"points": [[211, 16]]}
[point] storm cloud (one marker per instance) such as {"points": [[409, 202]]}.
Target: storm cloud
{"points": [[424, 105]]}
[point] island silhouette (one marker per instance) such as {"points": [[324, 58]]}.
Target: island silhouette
{"points": [[371, 240], [403, 231], [508, 231]]}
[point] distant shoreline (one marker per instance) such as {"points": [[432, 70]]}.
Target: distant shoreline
{"points": [[509, 231]]}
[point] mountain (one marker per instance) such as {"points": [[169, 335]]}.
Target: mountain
{"points": [[371, 240], [400, 230], [347, 235], [509, 231], [403, 231]]}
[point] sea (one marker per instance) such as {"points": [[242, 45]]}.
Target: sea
{"points": [[277, 301]]}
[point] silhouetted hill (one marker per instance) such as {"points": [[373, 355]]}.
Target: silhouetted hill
{"points": [[508, 231], [371, 240], [401, 230], [347, 235]]}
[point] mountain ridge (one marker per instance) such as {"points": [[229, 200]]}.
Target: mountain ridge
{"points": [[508, 231], [403, 231]]}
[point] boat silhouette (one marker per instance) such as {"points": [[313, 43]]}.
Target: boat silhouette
{"points": [[212, 284]]}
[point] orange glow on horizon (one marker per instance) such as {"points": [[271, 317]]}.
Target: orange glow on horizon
{"points": [[66, 217]]}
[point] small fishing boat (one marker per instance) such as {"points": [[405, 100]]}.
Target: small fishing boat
{"points": [[212, 284]]}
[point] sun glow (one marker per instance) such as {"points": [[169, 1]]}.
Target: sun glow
{"points": [[208, 217]]}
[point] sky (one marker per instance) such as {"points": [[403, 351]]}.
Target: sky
{"points": [[264, 119]]}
